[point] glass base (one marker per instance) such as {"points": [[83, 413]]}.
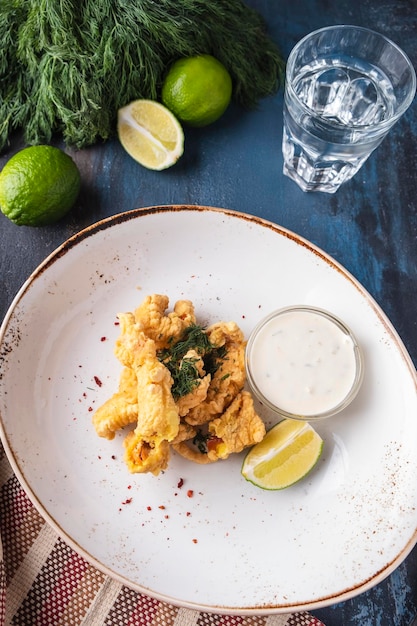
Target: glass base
{"points": [[316, 185]]}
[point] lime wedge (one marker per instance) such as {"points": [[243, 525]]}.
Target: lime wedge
{"points": [[287, 453], [150, 133]]}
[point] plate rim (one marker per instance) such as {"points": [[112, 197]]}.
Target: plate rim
{"points": [[136, 213]]}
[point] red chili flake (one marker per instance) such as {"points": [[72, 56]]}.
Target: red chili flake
{"points": [[127, 501], [90, 408], [188, 514], [161, 507], [190, 493], [99, 457], [113, 456], [180, 483], [195, 540], [149, 508], [166, 516], [243, 317], [129, 486], [116, 323], [97, 381], [84, 395], [103, 338]]}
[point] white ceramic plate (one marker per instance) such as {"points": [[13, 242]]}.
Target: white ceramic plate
{"points": [[231, 547]]}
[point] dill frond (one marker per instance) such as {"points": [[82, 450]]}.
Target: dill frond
{"points": [[67, 66]]}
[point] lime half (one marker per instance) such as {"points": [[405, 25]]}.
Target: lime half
{"points": [[287, 453], [150, 133]]}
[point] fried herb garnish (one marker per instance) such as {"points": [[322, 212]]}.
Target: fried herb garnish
{"points": [[193, 338], [200, 441], [183, 369], [214, 358], [185, 377]]}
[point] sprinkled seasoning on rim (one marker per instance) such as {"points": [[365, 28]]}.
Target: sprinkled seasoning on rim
{"points": [[304, 363]]}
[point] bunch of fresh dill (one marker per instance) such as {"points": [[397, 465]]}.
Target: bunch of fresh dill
{"points": [[67, 66]]}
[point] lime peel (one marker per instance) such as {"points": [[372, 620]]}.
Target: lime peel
{"points": [[288, 452], [38, 185], [197, 89]]}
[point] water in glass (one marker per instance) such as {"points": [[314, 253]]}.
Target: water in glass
{"points": [[346, 99]]}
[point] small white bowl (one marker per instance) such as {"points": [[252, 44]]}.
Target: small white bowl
{"points": [[304, 363]]}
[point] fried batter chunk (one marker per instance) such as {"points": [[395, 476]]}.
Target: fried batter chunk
{"points": [[157, 414], [207, 392], [159, 326], [191, 454], [228, 380], [158, 417], [185, 432], [145, 456], [119, 410], [239, 427]]}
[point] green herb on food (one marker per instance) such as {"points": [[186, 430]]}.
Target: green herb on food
{"points": [[185, 377], [183, 369], [193, 338], [67, 66], [200, 441]]}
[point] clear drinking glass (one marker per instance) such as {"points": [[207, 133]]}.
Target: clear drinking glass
{"points": [[346, 86]]}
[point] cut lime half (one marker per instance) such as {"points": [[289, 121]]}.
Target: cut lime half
{"points": [[287, 453], [150, 133]]}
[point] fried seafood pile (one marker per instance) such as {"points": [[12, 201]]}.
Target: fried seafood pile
{"points": [[181, 386]]}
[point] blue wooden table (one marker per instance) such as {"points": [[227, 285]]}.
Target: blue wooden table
{"points": [[369, 225]]}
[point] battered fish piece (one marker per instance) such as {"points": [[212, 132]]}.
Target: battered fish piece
{"points": [[191, 454], [239, 427], [119, 410], [158, 416], [185, 432], [130, 341], [147, 448], [146, 456], [228, 380], [161, 327]]}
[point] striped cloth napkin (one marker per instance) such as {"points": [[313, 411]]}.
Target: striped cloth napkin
{"points": [[44, 582]]}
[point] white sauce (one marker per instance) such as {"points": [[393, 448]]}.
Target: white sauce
{"points": [[303, 362]]}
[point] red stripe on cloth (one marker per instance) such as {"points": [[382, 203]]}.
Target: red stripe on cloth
{"points": [[136, 608], [144, 611], [15, 504], [19, 525], [54, 604]]}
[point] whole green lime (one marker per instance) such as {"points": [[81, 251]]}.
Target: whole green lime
{"points": [[38, 186], [197, 89]]}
